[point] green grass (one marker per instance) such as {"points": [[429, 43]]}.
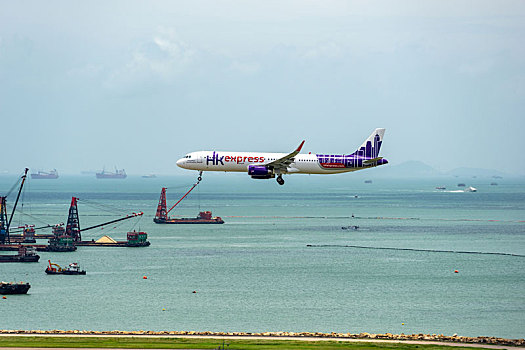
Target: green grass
{"points": [[200, 343]]}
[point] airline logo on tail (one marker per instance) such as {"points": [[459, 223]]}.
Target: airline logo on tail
{"points": [[261, 165], [363, 156]]}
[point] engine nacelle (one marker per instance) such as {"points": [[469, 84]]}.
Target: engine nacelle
{"points": [[260, 172]]}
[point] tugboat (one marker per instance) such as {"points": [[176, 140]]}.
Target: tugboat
{"points": [[137, 239], [29, 234], [72, 269], [14, 288], [60, 241]]}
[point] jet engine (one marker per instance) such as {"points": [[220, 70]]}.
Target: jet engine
{"points": [[260, 172]]}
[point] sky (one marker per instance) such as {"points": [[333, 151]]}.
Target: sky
{"points": [[138, 84]]}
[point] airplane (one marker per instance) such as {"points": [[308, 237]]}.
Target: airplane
{"points": [[269, 165]]}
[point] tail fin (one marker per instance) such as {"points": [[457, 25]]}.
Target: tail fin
{"points": [[370, 148]]}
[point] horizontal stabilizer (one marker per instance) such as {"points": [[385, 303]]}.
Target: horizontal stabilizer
{"points": [[372, 160]]}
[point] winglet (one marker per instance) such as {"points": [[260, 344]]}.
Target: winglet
{"points": [[300, 146]]}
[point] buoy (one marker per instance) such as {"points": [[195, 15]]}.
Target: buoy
{"points": [[402, 324], [4, 297], [456, 271], [144, 277], [194, 292], [163, 309]]}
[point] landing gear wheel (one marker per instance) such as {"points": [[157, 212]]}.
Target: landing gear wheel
{"points": [[199, 178], [280, 180]]}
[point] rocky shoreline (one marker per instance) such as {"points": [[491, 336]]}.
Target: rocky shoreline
{"points": [[386, 336]]}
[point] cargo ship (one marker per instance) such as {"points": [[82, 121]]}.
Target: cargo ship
{"points": [[118, 174], [14, 288], [53, 174], [25, 254], [161, 217]]}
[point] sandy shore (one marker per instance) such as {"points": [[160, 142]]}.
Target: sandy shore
{"points": [[439, 339]]}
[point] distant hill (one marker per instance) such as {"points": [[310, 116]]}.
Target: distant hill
{"points": [[418, 169], [477, 172], [411, 169]]}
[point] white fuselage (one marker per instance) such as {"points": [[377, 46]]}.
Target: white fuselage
{"points": [[239, 162]]}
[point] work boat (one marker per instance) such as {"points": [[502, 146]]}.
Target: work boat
{"points": [[71, 269]]}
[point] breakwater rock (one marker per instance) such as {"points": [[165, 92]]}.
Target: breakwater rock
{"points": [[386, 336]]}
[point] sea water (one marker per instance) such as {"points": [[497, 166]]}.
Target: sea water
{"points": [[288, 257]]}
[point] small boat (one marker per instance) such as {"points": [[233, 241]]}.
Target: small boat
{"points": [[14, 288], [441, 188], [493, 183], [471, 189], [149, 176], [461, 185], [72, 269], [368, 181]]}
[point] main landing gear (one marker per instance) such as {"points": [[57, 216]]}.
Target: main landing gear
{"points": [[280, 179], [199, 179]]}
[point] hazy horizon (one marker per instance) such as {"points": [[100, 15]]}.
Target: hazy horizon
{"points": [[138, 85]]}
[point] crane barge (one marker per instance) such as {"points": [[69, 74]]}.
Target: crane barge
{"points": [[161, 217], [71, 235]]}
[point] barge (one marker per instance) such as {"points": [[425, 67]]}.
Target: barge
{"points": [[161, 217], [14, 288], [204, 217], [25, 254], [134, 239]]}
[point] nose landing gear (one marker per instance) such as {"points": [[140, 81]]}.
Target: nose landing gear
{"points": [[280, 180]]}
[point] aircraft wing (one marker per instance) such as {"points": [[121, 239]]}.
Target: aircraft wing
{"points": [[281, 164]]}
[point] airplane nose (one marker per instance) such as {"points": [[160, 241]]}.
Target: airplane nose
{"points": [[180, 163]]}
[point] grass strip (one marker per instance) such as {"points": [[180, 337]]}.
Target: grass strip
{"points": [[204, 343]]}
